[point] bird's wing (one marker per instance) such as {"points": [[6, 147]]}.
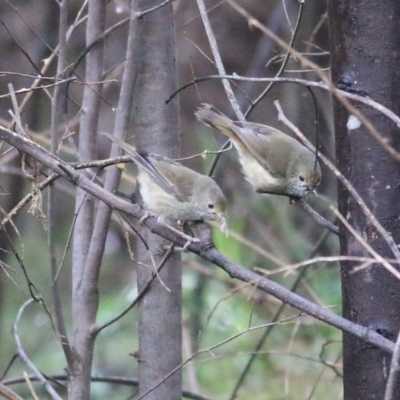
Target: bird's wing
{"points": [[251, 139], [179, 177], [154, 165], [258, 138], [158, 168]]}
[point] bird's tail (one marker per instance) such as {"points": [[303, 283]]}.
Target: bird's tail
{"points": [[210, 116], [123, 145]]}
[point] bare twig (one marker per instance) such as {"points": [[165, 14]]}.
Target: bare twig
{"points": [[117, 380], [370, 216], [320, 85], [112, 178], [32, 30], [98, 328], [47, 62], [318, 218], [203, 249], [8, 393], [51, 195], [218, 60], [269, 329], [213, 347], [285, 60], [141, 14], [310, 41], [366, 245], [16, 115], [365, 261], [97, 40], [30, 386], [394, 371], [25, 358], [50, 179], [42, 87], [307, 63]]}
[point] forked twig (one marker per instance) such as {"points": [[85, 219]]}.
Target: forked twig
{"points": [[368, 213]]}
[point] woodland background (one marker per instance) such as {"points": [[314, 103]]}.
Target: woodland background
{"points": [[227, 321]]}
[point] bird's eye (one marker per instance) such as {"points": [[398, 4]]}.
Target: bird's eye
{"points": [[301, 178], [210, 205]]}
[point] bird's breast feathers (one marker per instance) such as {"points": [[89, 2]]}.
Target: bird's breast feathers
{"points": [[154, 197], [258, 176]]}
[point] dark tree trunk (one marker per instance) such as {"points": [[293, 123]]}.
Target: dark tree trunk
{"points": [[365, 51], [157, 130]]}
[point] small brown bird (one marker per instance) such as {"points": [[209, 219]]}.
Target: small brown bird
{"points": [[174, 192], [272, 161]]}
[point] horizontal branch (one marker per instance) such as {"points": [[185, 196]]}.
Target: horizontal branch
{"points": [[307, 83], [115, 380], [205, 248]]}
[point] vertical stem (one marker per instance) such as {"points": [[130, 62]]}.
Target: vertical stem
{"points": [[84, 290], [56, 107]]}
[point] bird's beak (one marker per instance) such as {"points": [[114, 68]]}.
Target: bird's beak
{"points": [[314, 192]]}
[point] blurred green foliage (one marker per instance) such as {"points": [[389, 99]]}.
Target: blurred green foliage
{"points": [[301, 358]]}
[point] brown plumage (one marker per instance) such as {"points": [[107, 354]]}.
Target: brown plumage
{"points": [[174, 192], [272, 161]]}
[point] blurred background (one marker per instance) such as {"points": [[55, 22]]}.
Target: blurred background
{"points": [[300, 358]]}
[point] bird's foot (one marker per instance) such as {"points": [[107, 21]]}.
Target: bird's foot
{"points": [[145, 216], [189, 239]]}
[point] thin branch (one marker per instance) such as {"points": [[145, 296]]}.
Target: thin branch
{"points": [[32, 30], [269, 329], [320, 85], [319, 219], [117, 380], [210, 350], [141, 14], [32, 288], [112, 178], [8, 393], [218, 60], [366, 245], [284, 62], [204, 249], [98, 328], [21, 48], [8, 366], [42, 87], [100, 38], [51, 195], [365, 261], [394, 371], [252, 21], [369, 215], [25, 358], [310, 41]]}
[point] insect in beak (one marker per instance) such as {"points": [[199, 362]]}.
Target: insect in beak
{"points": [[223, 227]]}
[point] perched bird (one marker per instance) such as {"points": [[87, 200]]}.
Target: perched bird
{"points": [[272, 161], [174, 192]]}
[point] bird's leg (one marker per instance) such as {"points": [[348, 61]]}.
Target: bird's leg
{"points": [[145, 216], [180, 233], [189, 239]]}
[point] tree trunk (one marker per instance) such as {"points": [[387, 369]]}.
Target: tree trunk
{"points": [[365, 55], [157, 130]]}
